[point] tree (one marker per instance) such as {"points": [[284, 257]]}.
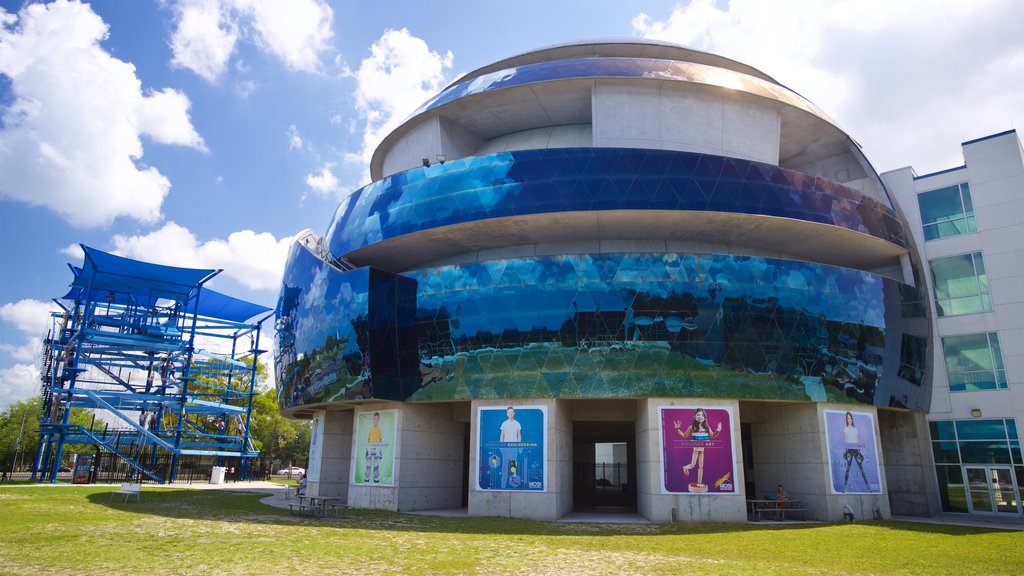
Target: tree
{"points": [[278, 438], [21, 420], [11, 419]]}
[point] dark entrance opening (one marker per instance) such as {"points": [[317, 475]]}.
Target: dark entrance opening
{"points": [[747, 442], [604, 466], [465, 466]]}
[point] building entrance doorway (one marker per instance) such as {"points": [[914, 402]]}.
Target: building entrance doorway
{"points": [[604, 466], [992, 490]]}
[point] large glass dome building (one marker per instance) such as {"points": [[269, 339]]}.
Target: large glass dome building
{"points": [[623, 275]]}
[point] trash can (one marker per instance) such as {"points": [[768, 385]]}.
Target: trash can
{"points": [[217, 476]]}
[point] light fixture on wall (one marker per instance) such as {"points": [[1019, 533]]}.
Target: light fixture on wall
{"points": [[976, 412], [440, 160]]}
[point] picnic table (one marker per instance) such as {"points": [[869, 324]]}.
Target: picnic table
{"points": [[775, 509], [316, 506]]}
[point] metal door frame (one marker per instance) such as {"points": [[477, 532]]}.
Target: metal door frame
{"points": [[988, 468]]}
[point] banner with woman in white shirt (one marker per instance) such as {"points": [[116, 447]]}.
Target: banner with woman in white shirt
{"points": [[852, 454]]}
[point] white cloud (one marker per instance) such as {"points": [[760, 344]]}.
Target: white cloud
{"points": [[296, 32], [18, 382], [294, 138], [27, 352], [324, 183], [255, 260], [30, 317], [72, 141], [909, 80], [74, 251], [204, 38], [400, 74]]}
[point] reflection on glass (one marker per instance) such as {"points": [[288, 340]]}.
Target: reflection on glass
{"points": [[961, 285], [650, 324], [947, 212], [1004, 494], [553, 180], [974, 362], [952, 491], [592, 325], [980, 429], [978, 486]]}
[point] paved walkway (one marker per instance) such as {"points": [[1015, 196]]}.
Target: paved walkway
{"points": [[967, 520]]}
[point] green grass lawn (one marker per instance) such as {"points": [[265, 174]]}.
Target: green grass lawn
{"points": [[76, 530]]}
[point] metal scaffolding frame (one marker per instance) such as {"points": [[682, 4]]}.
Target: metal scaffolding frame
{"points": [[168, 364]]}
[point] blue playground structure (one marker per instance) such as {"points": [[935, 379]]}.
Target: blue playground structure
{"points": [[167, 365]]}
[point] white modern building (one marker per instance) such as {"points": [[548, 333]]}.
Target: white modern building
{"points": [[968, 221]]}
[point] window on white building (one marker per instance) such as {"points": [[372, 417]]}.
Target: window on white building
{"points": [[947, 212], [974, 362], [961, 285]]}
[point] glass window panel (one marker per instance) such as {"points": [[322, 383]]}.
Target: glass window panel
{"points": [[973, 362], [1015, 452], [985, 452], [942, 430], [961, 286], [981, 499], [980, 430], [952, 492], [947, 212], [946, 452], [1011, 429], [1019, 470], [913, 350]]}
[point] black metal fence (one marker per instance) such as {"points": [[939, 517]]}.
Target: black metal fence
{"points": [[108, 468]]}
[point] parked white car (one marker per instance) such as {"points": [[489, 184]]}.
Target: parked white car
{"points": [[291, 471]]}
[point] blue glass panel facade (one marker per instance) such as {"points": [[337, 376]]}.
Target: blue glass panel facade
{"points": [[529, 182], [339, 334], [600, 325]]}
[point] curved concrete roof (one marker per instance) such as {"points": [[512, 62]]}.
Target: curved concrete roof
{"points": [[617, 47], [739, 233]]}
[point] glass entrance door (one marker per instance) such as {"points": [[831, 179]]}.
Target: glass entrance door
{"points": [[992, 490]]}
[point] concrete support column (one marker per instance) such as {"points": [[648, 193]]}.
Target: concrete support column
{"points": [[551, 504], [909, 468], [335, 456], [657, 506], [790, 446], [430, 451], [428, 461], [375, 496], [790, 449]]}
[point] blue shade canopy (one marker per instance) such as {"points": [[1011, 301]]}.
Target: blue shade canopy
{"points": [[100, 296], [103, 271], [213, 304], [109, 278]]}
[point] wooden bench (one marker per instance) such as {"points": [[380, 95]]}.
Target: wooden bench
{"points": [[128, 490]]}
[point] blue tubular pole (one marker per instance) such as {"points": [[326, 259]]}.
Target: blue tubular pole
{"points": [[248, 412], [86, 313], [177, 433], [186, 373]]}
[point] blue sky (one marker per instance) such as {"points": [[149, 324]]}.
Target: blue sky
{"points": [[209, 132]]}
